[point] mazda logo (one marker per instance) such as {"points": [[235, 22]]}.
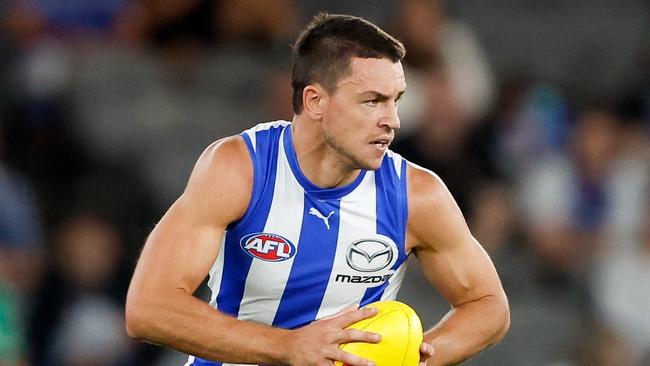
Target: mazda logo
{"points": [[369, 255]]}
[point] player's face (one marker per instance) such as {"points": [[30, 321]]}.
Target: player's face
{"points": [[361, 115]]}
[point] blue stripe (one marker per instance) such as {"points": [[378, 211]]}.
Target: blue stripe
{"points": [[201, 362], [259, 166], [312, 265], [404, 203], [392, 213], [373, 294]]}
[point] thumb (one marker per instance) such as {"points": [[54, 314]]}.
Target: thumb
{"points": [[426, 351]]}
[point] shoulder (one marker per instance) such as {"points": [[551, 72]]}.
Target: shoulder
{"points": [[227, 155], [425, 188], [435, 220], [222, 178]]}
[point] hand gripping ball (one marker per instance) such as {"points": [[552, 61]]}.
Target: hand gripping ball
{"points": [[401, 336]]}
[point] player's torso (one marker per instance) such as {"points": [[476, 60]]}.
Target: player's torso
{"points": [[301, 253]]}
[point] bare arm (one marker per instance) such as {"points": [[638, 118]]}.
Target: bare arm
{"points": [[178, 255], [458, 267]]}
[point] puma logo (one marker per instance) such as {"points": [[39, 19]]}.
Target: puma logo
{"points": [[326, 220]]}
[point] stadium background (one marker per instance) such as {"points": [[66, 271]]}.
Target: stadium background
{"points": [[535, 113]]}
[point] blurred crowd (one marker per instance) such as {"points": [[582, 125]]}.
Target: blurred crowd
{"points": [[535, 114]]}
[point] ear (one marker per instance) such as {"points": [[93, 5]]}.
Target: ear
{"points": [[314, 98]]}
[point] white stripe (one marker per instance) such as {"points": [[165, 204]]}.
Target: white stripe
{"points": [[216, 273], [190, 360], [357, 219], [271, 277], [252, 132]]}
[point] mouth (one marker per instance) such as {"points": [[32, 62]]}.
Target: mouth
{"points": [[381, 144]]}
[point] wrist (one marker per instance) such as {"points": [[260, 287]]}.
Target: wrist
{"points": [[282, 346]]}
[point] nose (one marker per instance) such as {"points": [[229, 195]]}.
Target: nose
{"points": [[390, 118]]}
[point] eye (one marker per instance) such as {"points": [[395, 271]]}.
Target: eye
{"points": [[372, 102]]}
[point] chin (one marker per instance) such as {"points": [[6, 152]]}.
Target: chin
{"points": [[370, 164], [375, 166], [365, 162]]}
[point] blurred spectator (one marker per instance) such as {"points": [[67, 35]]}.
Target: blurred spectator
{"points": [[432, 36], [21, 235], [450, 90], [542, 326], [621, 291], [77, 321], [441, 139], [13, 345], [34, 111], [630, 177], [536, 125], [493, 222], [158, 113], [20, 260], [566, 199], [633, 170], [69, 19], [91, 334], [599, 346]]}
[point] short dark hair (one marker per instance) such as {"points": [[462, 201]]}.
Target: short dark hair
{"points": [[323, 51]]}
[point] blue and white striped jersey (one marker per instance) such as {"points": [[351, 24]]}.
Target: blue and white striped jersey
{"points": [[302, 252]]}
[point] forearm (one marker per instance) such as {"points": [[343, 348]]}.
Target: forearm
{"points": [[467, 329], [193, 327]]}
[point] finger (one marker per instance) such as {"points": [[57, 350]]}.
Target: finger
{"points": [[426, 351], [350, 359], [349, 309], [346, 319], [355, 335]]}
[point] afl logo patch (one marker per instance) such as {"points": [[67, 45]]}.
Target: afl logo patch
{"points": [[370, 255], [268, 247]]}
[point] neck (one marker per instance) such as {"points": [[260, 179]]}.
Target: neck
{"points": [[318, 161]]}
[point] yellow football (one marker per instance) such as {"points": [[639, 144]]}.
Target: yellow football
{"points": [[401, 336]]}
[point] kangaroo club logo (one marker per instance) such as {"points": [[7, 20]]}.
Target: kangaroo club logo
{"points": [[268, 247], [369, 255]]}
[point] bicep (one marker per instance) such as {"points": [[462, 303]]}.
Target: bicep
{"points": [[461, 273], [179, 252], [451, 258], [185, 243]]}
